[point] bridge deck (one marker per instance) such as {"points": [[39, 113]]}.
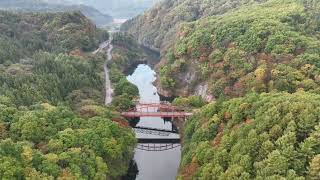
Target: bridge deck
{"points": [[155, 114], [155, 129]]}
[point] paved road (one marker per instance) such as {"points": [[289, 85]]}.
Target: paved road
{"points": [[109, 90], [107, 47]]}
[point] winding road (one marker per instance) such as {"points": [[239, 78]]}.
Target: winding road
{"points": [[107, 47], [109, 90]]}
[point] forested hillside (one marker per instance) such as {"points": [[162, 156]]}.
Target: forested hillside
{"points": [[128, 52], [273, 46], [53, 123], [158, 26], [267, 136], [257, 62], [27, 33], [55, 6]]}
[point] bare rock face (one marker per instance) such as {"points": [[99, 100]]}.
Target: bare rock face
{"points": [[185, 87], [203, 91]]}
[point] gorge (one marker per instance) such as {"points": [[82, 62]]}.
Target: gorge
{"points": [[255, 62], [78, 102]]}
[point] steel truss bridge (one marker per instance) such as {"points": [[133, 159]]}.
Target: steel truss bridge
{"points": [[157, 147], [157, 144]]}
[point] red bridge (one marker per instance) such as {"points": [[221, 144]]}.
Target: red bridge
{"points": [[162, 109]]}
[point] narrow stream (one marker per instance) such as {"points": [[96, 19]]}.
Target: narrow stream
{"points": [[161, 165]]}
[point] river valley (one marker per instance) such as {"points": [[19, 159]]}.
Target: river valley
{"points": [[151, 165], [162, 165]]}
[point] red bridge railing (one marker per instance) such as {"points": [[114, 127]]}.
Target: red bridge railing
{"points": [[162, 109]]}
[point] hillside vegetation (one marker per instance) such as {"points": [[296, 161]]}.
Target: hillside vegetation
{"points": [[267, 136], [46, 6], [53, 123], [27, 33], [257, 62], [158, 26], [127, 52], [273, 46]]}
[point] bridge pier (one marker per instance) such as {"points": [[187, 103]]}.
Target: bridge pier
{"points": [[180, 124]]}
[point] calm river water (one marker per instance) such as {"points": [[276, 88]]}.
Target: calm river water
{"points": [[153, 165]]}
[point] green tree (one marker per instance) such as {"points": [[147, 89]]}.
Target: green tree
{"points": [[314, 170]]}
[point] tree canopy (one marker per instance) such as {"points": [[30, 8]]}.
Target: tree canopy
{"points": [[267, 47], [258, 62], [266, 136], [53, 123]]}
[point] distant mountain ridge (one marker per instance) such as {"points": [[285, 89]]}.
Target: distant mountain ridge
{"points": [[118, 8], [56, 6]]}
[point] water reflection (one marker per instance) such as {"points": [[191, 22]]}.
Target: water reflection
{"points": [[132, 171], [161, 165]]}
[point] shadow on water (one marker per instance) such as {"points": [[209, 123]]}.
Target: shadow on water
{"points": [[134, 121], [132, 171]]}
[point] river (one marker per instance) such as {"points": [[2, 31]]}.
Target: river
{"points": [[161, 165]]}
